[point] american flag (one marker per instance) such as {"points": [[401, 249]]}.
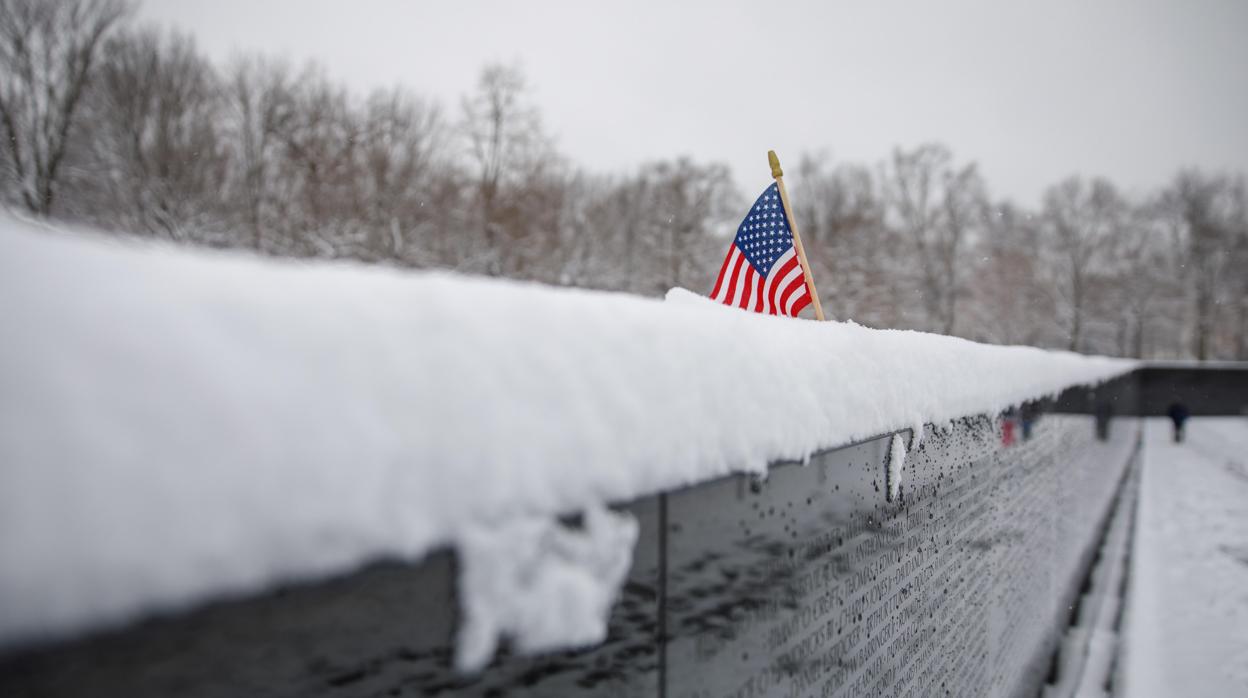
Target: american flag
{"points": [[761, 272]]}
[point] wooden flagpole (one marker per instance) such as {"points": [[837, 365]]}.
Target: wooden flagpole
{"points": [[778, 174]]}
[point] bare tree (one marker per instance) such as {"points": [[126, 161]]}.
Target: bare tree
{"points": [[399, 146], [507, 148], [1082, 223], [688, 202], [851, 250], [155, 139], [1009, 302], [316, 164], [1145, 265], [1237, 284], [1210, 214], [259, 104], [938, 207], [606, 238], [47, 50]]}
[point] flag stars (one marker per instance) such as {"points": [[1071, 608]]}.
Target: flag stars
{"points": [[764, 235]]}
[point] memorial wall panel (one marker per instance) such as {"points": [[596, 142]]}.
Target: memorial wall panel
{"points": [[809, 583], [385, 631], [805, 583]]}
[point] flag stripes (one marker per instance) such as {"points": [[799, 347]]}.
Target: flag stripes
{"points": [[782, 291], [762, 272]]}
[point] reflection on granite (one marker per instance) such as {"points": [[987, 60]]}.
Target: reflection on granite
{"points": [[809, 583], [385, 631], [804, 583]]}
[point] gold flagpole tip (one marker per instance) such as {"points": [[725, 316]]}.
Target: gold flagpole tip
{"points": [[774, 161]]}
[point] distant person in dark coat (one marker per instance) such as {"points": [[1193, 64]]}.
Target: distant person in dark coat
{"points": [[1178, 414], [1028, 414], [1104, 412]]}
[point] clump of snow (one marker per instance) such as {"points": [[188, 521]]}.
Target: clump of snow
{"points": [[896, 461], [916, 433], [540, 584], [178, 425]]}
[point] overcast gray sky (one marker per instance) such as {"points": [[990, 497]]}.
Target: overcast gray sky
{"points": [[1032, 91]]}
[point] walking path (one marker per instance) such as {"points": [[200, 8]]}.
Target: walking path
{"points": [[1187, 613]]}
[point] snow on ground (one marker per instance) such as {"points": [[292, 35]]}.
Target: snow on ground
{"points": [[177, 425], [1090, 645], [1187, 611]]}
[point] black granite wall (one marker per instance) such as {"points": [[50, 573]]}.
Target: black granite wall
{"points": [[1215, 389], [813, 584], [807, 583], [1218, 390]]}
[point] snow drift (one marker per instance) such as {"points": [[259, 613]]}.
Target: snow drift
{"points": [[177, 425]]}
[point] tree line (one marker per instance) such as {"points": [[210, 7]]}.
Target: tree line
{"points": [[130, 128]]}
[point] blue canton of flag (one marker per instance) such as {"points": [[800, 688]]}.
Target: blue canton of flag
{"points": [[762, 272]]}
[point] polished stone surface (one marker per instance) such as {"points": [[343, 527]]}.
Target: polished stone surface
{"points": [[810, 583], [384, 631], [806, 583]]}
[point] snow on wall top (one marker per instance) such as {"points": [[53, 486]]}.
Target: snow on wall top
{"points": [[176, 425]]}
